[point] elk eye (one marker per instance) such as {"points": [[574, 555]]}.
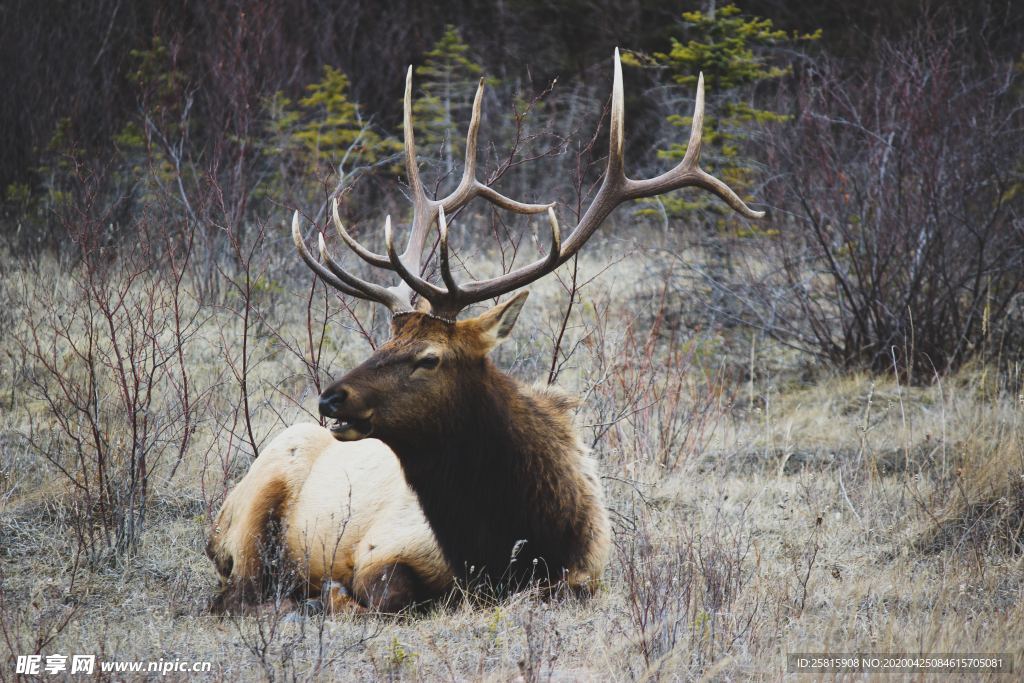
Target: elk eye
{"points": [[428, 362]]}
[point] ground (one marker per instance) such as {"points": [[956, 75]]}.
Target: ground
{"points": [[762, 505]]}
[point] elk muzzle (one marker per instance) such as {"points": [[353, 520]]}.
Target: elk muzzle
{"points": [[351, 421]]}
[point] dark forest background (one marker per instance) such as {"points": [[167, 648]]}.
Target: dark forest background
{"points": [[74, 60], [883, 136]]}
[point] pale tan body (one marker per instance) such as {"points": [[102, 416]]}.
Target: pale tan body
{"points": [[346, 515]]}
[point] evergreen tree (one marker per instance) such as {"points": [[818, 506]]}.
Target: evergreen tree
{"points": [[142, 142], [731, 49], [325, 129], [323, 134]]}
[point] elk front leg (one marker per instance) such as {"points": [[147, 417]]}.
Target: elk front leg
{"points": [[338, 600]]}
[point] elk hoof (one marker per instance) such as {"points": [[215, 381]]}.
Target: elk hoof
{"points": [[337, 599]]}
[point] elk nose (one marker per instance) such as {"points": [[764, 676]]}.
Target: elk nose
{"points": [[332, 401]]}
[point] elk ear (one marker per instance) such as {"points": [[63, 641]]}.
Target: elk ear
{"points": [[496, 324]]}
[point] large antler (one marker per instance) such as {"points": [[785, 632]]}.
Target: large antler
{"points": [[615, 189]]}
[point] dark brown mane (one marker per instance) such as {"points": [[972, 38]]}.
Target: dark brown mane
{"points": [[503, 473]]}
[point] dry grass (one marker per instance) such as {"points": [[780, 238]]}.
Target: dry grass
{"points": [[755, 514]]}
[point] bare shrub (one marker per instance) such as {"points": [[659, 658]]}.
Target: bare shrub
{"points": [[650, 396], [290, 642], [684, 593], [900, 225], [102, 353], [270, 640], [31, 630]]}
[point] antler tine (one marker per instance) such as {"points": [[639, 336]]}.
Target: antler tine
{"points": [[422, 212], [414, 281], [370, 257], [446, 272], [616, 127], [469, 169], [457, 295], [693, 146], [338, 277], [315, 265], [411, 168], [612, 190], [366, 290], [507, 203], [470, 187]]}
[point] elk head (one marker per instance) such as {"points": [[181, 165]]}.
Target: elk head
{"points": [[427, 363], [431, 355]]}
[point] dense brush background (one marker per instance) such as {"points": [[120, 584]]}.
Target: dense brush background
{"points": [[810, 428]]}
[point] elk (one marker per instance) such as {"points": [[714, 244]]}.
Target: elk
{"points": [[497, 467]]}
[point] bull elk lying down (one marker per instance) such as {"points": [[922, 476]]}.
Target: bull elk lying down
{"points": [[470, 474]]}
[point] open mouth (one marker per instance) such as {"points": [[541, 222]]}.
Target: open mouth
{"points": [[351, 429]]}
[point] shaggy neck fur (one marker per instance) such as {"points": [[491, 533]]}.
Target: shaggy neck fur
{"points": [[503, 473]]}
